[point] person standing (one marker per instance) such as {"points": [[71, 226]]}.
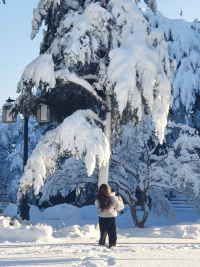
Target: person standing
{"points": [[108, 204]]}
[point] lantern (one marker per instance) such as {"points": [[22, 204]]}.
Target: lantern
{"points": [[43, 113], [7, 117]]}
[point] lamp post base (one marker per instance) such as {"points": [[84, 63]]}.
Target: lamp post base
{"points": [[24, 208]]}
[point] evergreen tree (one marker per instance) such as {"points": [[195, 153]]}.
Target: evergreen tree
{"points": [[106, 51]]}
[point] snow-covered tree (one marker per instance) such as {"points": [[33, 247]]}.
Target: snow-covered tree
{"points": [[152, 4], [11, 155], [108, 52], [183, 39], [137, 165]]}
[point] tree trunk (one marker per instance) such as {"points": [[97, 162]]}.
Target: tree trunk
{"points": [[140, 222], [104, 170]]}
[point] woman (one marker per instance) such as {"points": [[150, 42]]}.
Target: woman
{"points": [[108, 204]]}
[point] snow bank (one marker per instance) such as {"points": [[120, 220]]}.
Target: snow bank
{"points": [[191, 231], [77, 231], [14, 231], [63, 212], [11, 210], [26, 233], [35, 213]]}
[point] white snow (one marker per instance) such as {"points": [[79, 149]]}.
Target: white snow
{"points": [[63, 212], [73, 242], [140, 58], [75, 136], [183, 46], [11, 210], [40, 70]]}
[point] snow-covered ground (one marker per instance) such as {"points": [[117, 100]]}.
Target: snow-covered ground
{"points": [[73, 241]]}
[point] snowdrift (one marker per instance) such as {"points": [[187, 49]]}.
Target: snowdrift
{"points": [[62, 212], [14, 231], [67, 221]]}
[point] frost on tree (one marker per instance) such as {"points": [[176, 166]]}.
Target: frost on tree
{"points": [[109, 53], [136, 165]]}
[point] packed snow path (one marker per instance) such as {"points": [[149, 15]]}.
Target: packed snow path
{"points": [[85, 252]]}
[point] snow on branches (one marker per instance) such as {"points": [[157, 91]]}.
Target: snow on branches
{"points": [[183, 46], [40, 72], [135, 165], [77, 136], [152, 4], [80, 35], [139, 64], [71, 173], [40, 14]]}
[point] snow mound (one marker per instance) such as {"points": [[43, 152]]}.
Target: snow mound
{"points": [[15, 231], [74, 231], [190, 231], [11, 210], [63, 212], [26, 233], [35, 213]]}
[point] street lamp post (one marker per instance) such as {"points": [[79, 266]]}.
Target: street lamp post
{"points": [[24, 207], [43, 116]]}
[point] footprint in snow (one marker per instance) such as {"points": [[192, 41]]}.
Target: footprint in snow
{"points": [[111, 261]]}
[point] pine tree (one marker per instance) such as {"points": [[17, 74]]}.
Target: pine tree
{"points": [[107, 53]]}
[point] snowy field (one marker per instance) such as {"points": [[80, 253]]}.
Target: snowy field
{"points": [[73, 240]]}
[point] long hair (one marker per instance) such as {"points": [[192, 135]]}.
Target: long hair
{"points": [[103, 197]]}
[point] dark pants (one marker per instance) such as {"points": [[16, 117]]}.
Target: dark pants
{"points": [[107, 226]]}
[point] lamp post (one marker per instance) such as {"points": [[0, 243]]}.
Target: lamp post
{"points": [[43, 116]]}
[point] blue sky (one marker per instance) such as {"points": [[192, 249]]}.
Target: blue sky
{"points": [[17, 50]]}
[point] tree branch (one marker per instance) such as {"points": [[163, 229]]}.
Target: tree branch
{"points": [[5, 149], [126, 167], [99, 99]]}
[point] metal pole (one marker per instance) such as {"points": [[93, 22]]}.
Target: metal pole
{"points": [[25, 142], [24, 208]]}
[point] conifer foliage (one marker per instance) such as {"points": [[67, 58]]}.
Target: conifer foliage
{"points": [[108, 52]]}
